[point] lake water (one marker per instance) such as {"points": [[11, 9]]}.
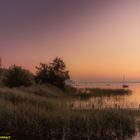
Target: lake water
{"points": [[126, 101]]}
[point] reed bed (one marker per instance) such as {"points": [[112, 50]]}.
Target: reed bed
{"points": [[24, 113]]}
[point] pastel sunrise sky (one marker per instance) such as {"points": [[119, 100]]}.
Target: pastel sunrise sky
{"points": [[98, 40]]}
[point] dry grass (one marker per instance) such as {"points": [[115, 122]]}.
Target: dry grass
{"points": [[43, 112]]}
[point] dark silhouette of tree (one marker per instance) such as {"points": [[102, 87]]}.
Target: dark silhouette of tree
{"points": [[42, 75], [3, 72], [17, 76], [54, 73]]}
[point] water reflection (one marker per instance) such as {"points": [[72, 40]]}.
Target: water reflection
{"points": [[131, 101], [114, 101]]}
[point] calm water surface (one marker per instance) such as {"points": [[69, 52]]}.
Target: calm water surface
{"points": [[125, 101]]}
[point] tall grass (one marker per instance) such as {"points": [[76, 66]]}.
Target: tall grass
{"points": [[27, 113]]}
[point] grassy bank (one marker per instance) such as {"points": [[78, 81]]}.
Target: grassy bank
{"points": [[43, 112]]}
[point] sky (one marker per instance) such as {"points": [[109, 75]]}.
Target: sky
{"points": [[99, 40]]}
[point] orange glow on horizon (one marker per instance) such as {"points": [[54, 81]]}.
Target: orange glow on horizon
{"points": [[96, 41]]}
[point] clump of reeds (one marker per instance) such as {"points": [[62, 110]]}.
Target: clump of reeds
{"points": [[96, 92]]}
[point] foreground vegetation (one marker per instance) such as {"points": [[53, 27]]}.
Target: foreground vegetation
{"points": [[43, 111], [54, 73]]}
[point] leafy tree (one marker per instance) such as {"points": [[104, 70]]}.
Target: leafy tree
{"points": [[17, 76], [42, 75], [54, 73]]}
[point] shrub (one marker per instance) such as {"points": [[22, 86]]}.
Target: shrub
{"points": [[53, 73], [17, 76], [2, 75]]}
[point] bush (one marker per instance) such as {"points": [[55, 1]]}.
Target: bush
{"points": [[53, 73], [16, 76], [2, 75]]}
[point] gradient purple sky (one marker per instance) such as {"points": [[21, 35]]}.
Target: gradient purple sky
{"points": [[99, 40]]}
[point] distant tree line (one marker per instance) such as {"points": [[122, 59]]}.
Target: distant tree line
{"points": [[54, 73]]}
